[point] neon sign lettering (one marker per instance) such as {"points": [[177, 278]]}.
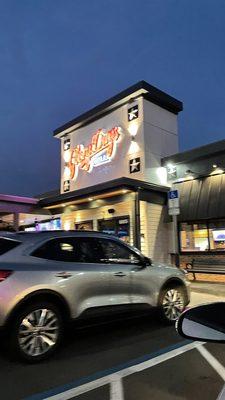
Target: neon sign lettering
{"points": [[101, 150]]}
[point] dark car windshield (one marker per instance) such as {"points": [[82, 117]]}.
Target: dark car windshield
{"points": [[7, 245]]}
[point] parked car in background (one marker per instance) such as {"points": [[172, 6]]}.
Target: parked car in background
{"points": [[49, 278]]}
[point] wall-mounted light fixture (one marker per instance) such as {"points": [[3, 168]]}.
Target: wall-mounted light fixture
{"points": [[189, 174]]}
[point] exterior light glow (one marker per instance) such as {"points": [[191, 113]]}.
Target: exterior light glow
{"points": [[217, 170], [162, 175], [180, 180], [134, 147], [67, 226], [66, 173], [124, 191], [133, 128], [63, 205], [90, 198], [66, 156]]}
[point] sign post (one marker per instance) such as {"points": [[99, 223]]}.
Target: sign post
{"points": [[174, 211]]}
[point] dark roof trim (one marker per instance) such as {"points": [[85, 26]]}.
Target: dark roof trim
{"points": [[152, 94], [197, 153], [119, 183]]}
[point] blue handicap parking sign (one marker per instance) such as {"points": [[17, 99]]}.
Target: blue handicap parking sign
{"points": [[173, 194]]}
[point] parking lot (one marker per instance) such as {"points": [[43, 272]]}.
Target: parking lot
{"points": [[127, 358]]}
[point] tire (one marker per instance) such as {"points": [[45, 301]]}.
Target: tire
{"points": [[172, 302], [36, 331]]}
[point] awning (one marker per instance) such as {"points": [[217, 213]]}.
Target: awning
{"points": [[202, 199], [157, 193]]}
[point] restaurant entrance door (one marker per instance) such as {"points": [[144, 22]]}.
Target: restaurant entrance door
{"points": [[118, 226]]}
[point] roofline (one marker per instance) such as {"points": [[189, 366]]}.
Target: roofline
{"points": [[141, 88], [18, 199], [123, 182], [196, 153]]}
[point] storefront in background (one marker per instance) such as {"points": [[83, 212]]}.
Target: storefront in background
{"points": [[112, 179], [199, 175], [52, 224]]}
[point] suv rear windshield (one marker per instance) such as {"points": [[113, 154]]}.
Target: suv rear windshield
{"points": [[7, 245]]}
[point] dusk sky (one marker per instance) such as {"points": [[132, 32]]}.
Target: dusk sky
{"points": [[61, 58]]}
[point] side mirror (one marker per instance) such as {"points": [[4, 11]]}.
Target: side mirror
{"points": [[204, 323], [147, 261]]}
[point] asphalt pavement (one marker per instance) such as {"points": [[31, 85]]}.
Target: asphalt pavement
{"points": [[127, 358]]}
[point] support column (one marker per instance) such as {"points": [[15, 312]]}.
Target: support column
{"points": [[137, 224]]}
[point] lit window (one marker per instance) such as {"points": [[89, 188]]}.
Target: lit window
{"points": [[217, 235], [194, 237]]}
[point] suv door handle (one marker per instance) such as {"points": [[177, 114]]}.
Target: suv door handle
{"points": [[120, 274], [64, 275]]}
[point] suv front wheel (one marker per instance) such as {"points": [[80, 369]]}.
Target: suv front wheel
{"points": [[36, 331], [172, 303]]}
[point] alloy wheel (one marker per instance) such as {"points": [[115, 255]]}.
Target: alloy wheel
{"points": [[38, 332], [173, 304]]}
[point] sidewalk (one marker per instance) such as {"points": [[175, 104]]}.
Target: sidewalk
{"points": [[215, 289], [204, 292]]}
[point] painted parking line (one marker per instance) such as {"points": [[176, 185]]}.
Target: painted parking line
{"points": [[114, 376], [215, 364]]}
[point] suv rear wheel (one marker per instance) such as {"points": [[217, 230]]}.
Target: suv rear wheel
{"points": [[36, 331], [172, 303]]}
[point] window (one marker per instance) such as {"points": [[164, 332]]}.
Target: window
{"points": [[86, 250], [7, 245], [118, 226], [194, 237], [62, 249], [217, 235], [203, 237], [72, 249], [116, 253]]}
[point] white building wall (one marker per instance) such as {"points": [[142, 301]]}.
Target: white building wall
{"points": [[126, 149], [160, 138], [154, 232], [155, 136]]}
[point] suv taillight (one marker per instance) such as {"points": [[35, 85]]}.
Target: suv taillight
{"points": [[4, 274]]}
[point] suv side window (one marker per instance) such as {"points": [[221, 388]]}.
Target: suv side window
{"points": [[62, 249], [116, 253], [70, 249]]}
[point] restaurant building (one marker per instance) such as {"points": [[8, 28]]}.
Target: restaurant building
{"points": [[112, 178], [199, 176], [118, 162]]}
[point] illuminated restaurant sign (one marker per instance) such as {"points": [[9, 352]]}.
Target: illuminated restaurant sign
{"points": [[101, 150]]}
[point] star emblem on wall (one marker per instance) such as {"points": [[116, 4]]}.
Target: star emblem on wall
{"points": [[133, 113], [66, 144], [135, 165], [66, 186]]}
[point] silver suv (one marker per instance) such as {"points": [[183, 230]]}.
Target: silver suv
{"points": [[48, 278]]}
